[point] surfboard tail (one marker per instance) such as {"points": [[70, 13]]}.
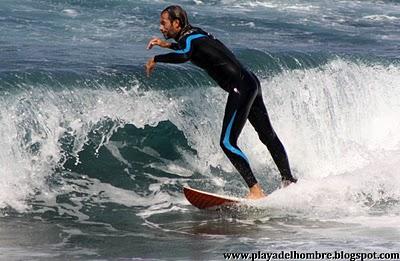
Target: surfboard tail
{"points": [[204, 200]]}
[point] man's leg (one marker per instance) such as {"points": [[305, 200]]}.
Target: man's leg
{"points": [[236, 113], [259, 118]]}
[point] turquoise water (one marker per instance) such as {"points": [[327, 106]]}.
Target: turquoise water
{"points": [[94, 154]]}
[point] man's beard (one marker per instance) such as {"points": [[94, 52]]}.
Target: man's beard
{"points": [[166, 36]]}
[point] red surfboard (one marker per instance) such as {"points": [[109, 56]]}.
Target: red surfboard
{"points": [[203, 200]]}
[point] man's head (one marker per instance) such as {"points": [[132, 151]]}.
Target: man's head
{"points": [[173, 20]]}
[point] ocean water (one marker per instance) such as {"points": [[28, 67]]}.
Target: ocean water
{"points": [[94, 154]]}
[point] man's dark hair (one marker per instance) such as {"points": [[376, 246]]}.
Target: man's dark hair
{"points": [[176, 12]]}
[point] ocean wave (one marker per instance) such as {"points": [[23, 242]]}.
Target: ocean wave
{"points": [[381, 17], [340, 116], [122, 77]]}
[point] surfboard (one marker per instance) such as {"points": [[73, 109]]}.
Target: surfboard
{"points": [[205, 200]]}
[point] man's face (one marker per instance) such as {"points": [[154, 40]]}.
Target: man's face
{"points": [[169, 29]]}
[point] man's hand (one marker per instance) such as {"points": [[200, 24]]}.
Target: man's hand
{"points": [[157, 41], [150, 65]]}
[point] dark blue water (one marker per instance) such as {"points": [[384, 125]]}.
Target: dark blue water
{"points": [[94, 154]]}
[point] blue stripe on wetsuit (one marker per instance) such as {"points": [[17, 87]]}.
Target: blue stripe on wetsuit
{"points": [[189, 41], [227, 143]]}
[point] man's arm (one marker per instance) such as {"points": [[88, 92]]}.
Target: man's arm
{"points": [[166, 58], [179, 56], [164, 44], [150, 65]]}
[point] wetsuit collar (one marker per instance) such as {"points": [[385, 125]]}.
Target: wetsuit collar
{"points": [[186, 30]]}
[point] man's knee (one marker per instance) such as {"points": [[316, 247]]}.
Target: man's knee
{"points": [[224, 144]]}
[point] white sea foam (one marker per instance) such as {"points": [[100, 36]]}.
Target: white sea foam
{"points": [[70, 12], [381, 17], [369, 190], [336, 118]]}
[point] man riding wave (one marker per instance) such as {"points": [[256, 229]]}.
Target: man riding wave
{"points": [[244, 100]]}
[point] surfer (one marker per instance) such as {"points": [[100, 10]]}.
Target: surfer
{"points": [[244, 100]]}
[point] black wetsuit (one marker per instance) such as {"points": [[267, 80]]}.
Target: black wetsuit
{"points": [[244, 101]]}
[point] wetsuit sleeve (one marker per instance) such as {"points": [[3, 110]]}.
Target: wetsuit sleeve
{"points": [[182, 54], [174, 46], [172, 58]]}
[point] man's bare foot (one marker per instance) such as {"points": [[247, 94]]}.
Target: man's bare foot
{"points": [[287, 182], [256, 192]]}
